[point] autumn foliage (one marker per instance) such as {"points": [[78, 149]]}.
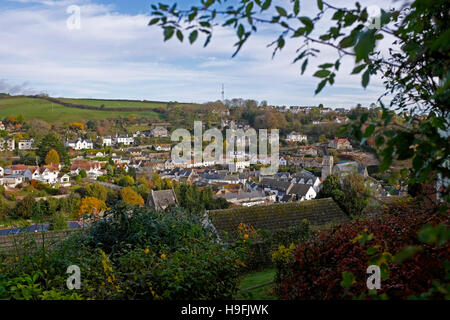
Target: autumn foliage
{"points": [[91, 206], [317, 267], [129, 196], [52, 157], [77, 126]]}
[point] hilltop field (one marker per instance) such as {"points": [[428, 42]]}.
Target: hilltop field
{"points": [[52, 112]]}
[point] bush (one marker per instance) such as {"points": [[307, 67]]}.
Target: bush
{"points": [[129, 196], [132, 253], [25, 208], [83, 173], [58, 221], [317, 268], [258, 253], [126, 181]]}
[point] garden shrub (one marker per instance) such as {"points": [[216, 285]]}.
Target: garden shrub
{"points": [[259, 247], [132, 253], [317, 267]]}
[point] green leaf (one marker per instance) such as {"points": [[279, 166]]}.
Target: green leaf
{"points": [[406, 253], [349, 19], [192, 15], [296, 7], [347, 42], [281, 42], [439, 234], [358, 69], [153, 21], [240, 31], [365, 45], [168, 33], [338, 15], [180, 35], [320, 86], [326, 65], [249, 8], [281, 11], [305, 63], [348, 279], [365, 78], [299, 32], [193, 36], [266, 5], [371, 250], [337, 64], [321, 73], [308, 23], [209, 3], [230, 21], [320, 4], [369, 131]]}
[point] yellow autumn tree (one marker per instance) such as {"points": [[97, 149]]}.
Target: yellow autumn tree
{"points": [[157, 182], [91, 206], [129, 196], [52, 157], [77, 126]]}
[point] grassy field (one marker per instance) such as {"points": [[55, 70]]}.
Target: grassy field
{"points": [[254, 279], [51, 112], [115, 103]]}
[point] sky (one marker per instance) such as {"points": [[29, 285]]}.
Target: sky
{"points": [[116, 55]]}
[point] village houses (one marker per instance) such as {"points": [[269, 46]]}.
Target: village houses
{"points": [[296, 137], [340, 144]]}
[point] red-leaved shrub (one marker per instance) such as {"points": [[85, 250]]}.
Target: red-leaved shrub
{"points": [[316, 271]]}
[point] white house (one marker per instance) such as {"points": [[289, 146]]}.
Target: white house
{"points": [[124, 139], [15, 169], [162, 147], [340, 144], [296, 137], [107, 141], [169, 164], [80, 144], [93, 169], [13, 180], [306, 177], [307, 150], [238, 166], [47, 175], [159, 132], [26, 144], [303, 192], [247, 199], [64, 179], [9, 144]]}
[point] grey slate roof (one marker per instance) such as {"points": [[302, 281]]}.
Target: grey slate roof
{"points": [[304, 174], [274, 184], [276, 216], [300, 189], [242, 195], [162, 199]]}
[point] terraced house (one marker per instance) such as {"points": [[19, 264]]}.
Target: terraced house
{"points": [[93, 169]]}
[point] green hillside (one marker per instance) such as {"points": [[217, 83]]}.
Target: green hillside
{"points": [[42, 109], [115, 103]]}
